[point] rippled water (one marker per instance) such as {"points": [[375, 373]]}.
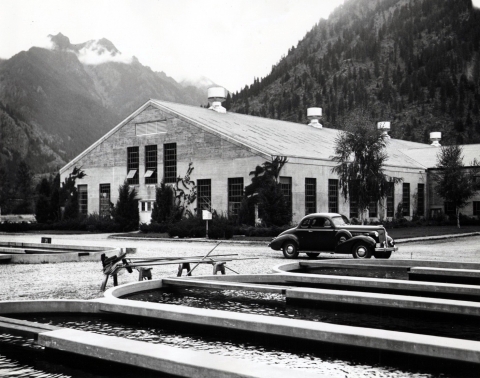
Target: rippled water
{"points": [[326, 360], [20, 357], [446, 325]]}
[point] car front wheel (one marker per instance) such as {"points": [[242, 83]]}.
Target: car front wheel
{"points": [[361, 251], [290, 250]]}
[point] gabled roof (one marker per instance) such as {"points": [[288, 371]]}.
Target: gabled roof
{"points": [[428, 156], [265, 136], [275, 137]]}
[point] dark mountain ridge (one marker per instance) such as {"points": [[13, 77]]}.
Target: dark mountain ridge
{"points": [[415, 63]]}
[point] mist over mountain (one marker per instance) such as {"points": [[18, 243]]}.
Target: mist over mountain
{"points": [[415, 63], [55, 102]]}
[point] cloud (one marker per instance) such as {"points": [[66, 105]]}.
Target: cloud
{"points": [[95, 52]]}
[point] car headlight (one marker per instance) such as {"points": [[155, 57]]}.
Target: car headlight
{"points": [[376, 234]]}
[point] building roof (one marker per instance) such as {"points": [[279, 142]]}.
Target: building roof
{"points": [[428, 156], [267, 136], [280, 138]]}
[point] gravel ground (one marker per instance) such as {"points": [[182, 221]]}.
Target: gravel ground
{"points": [[82, 280]]}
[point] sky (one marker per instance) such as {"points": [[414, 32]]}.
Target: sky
{"points": [[230, 42]]}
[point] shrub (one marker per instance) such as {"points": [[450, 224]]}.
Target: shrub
{"points": [[125, 213]]}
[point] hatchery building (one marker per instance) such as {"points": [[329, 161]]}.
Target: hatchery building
{"points": [[161, 139]]}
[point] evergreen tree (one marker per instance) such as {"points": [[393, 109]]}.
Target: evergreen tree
{"points": [[125, 213], [455, 183], [23, 181], [163, 207]]}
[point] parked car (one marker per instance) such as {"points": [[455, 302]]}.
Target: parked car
{"points": [[330, 232]]}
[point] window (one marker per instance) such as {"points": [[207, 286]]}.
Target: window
{"points": [[286, 187], [146, 205], [204, 195], [476, 208], [333, 196], [477, 182], [170, 162], [391, 200], [353, 201], [132, 165], [104, 209], [82, 199], [310, 195], [235, 195], [449, 208], [372, 209], [320, 223], [406, 199], [421, 200], [153, 127], [150, 164]]}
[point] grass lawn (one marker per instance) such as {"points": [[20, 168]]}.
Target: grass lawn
{"points": [[416, 232]]}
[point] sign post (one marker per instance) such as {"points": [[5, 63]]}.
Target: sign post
{"points": [[206, 215]]}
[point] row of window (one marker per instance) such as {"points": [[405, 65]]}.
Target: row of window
{"points": [[235, 196], [151, 162]]}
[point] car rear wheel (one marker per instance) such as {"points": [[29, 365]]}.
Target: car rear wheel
{"points": [[361, 251], [312, 255], [290, 250], [383, 255]]}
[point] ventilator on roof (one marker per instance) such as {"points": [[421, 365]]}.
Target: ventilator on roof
{"points": [[314, 114], [435, 138], [385, 128], [216, 95]]}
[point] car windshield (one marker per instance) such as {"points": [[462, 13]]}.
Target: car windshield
{"points": [[338, 221]]}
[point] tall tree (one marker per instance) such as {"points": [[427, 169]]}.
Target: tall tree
{"points": [[163, 207], [455, 182], [23, 181], [360, 156], [125, 213]]}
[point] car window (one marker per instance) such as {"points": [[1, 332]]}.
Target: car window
{"points": [[317, 223], [304, 223], [327, 223], [338, 221]]}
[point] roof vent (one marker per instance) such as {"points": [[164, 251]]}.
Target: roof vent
{"points": [[314, 114], [435, 138], [216, 95], [385, 128]]}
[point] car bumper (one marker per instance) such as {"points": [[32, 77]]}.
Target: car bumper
{"points": [[386, 249]]}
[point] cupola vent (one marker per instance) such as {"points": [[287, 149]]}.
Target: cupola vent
{"points": [[385, 128], [435, 138], [314, 114], [216, 95]]}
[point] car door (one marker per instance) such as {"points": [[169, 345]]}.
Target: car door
{"points": [[321, 237], [313, 238], [302, 233]]}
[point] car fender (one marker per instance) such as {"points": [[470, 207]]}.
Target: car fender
{"points": [[278, 242], [346, 247], [342, 232]]}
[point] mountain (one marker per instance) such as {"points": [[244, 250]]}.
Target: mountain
{"points": [[415, 63], [55, 102]]}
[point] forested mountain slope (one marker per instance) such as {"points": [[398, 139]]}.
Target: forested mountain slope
{"points": [[415, 63]]}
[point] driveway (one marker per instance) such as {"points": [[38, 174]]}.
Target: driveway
{"points": [[82, 280]]}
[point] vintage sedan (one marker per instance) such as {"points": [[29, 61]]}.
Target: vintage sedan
{"points": [[329, 232]]}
